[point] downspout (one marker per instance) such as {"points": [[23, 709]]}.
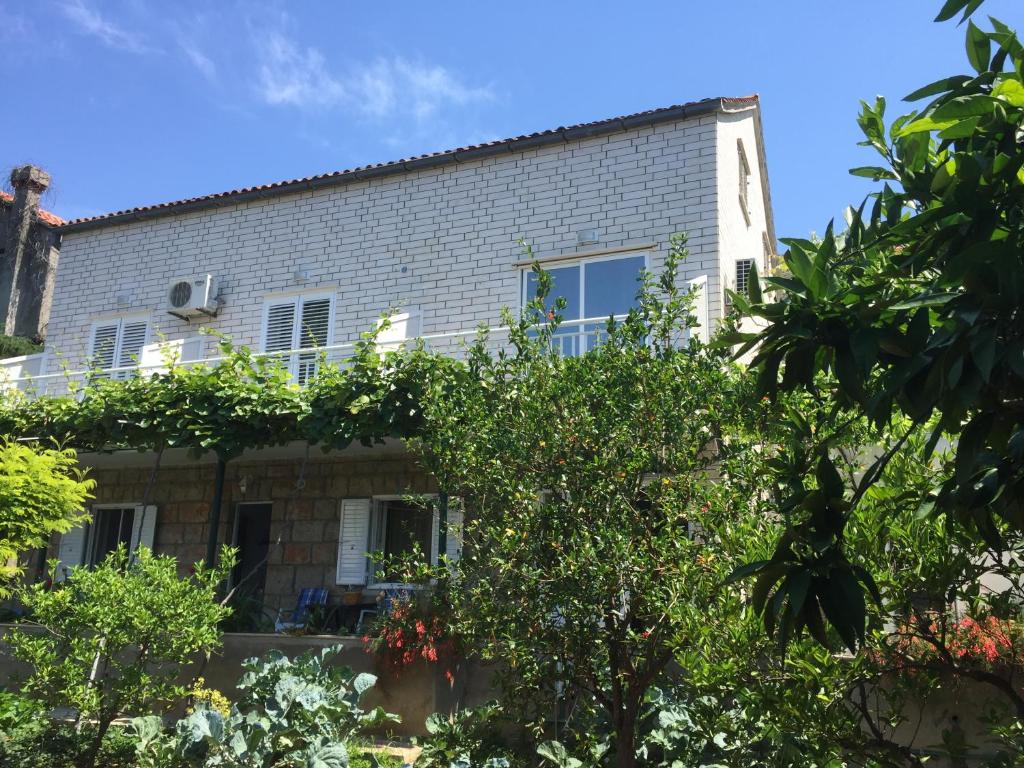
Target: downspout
{"points": [[218, 493]]}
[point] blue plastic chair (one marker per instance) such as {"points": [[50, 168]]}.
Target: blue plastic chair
{"points": [[297, 617]]}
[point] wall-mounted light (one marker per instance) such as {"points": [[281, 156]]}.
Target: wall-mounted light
{"points": [[243, 483], [587, 237], [301, 275]]}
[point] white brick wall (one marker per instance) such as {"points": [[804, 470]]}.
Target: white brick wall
{"points": [[454, 230]]}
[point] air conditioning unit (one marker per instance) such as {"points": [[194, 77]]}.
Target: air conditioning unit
{"points": [[189, 297]]}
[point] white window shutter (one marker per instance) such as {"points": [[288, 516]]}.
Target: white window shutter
{"points": [[699, 289], [453, 541], [104, 345], [280, 327], [314, 331], [435, 530], [133, 339], [144, 527], [353, 541], [71, 550], [315, 326]]}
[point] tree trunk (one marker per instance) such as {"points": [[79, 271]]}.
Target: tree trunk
{"points": [[88, 760], [625, 736]]}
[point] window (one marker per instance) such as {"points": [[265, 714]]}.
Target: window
{"points": [[398, 529], [109, 527], [391, 526], [593, 290], [117, 344], [744, 274], [298, 322], [744, 179], [769, 252]]}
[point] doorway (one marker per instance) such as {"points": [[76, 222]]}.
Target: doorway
{"points": [[252, 538]]}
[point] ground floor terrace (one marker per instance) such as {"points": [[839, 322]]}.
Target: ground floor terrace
{"points": [[300, 519]]}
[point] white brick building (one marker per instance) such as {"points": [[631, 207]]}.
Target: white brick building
{"points": [[436, 236]]}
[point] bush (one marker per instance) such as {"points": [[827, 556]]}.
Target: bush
{"points": [[30, 739], [16, 346], [292, 712], [115, 636], [470, 737]]}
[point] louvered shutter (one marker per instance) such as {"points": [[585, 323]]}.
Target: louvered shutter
{"points": [[71, 550], [280, 331], [144, 527], [353, 541], [129, 349], [699, 289], [314, 331], [104, 346], [453, 541]]}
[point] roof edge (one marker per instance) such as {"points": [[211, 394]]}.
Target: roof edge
{"points": [[448, 157]]}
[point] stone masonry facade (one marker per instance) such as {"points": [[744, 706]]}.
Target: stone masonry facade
{"points": [[305, 497], [441, 240]]}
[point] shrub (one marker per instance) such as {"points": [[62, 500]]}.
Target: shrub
{"points": [[16, 346], [299, 711], [413, 630], [470, 737], [42, 492], [114, 636]]}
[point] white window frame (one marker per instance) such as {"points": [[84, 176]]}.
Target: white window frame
{"points": [[743, 177], [297, 299], [581, 262], [376, 516], [90, 537], [749, 275], [121, 321]]}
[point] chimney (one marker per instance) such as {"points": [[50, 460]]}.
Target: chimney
{"points": [[29, 183]]}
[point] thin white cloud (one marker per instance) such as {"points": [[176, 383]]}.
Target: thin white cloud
{"points": [[89, 21], [297, 76], [199, 60]]}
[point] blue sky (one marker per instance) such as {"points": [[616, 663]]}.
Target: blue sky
{"points": [[131, 102]]}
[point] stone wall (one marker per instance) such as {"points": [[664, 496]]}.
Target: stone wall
{"points": [[305, 497], [29, 250], [443, 240]]}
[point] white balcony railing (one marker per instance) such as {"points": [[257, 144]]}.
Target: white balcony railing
{"points": [[30, 376]]}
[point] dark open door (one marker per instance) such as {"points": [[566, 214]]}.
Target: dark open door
{"points": [[252, 537]]}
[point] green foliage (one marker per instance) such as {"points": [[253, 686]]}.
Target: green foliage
{"points": [[113, 637], [293, 712], [585, 482], [913, 315], [679, 727], [16, 346], [42, 743], [30, 739], [243, 401], [469, 737], [41, 492]]}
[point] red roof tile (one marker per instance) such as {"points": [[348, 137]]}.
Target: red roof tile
{"points": [[44, 216], [551, 136]]}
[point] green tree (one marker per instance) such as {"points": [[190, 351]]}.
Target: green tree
{"points": [[42, 492], [590, 485], [913, 314], [113, 638]]}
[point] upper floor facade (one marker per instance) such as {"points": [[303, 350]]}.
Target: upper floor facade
{"points": [[313, 263]]}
